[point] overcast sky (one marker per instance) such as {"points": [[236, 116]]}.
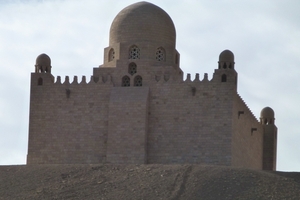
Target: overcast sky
{"points": [[264, 35]]}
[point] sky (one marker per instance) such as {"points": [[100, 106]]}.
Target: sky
{"points": [[263, 35]]}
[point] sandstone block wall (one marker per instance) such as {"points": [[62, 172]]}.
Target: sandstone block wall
{"points": [[167, 120], [128, 125], [68, 128], [187, 126], [247, 137]]}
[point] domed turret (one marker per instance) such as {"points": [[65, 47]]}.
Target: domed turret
{"points": [[267, 116], [43, 64], [142, 21], [226, 60]]}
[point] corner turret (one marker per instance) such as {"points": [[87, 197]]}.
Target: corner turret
{"points": [[42, 74], [225, 73]]}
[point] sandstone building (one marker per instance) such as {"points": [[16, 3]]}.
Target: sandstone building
{"points": [[137, 107]]}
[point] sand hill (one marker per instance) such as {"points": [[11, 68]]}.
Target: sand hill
{"points": [[145, 182]]}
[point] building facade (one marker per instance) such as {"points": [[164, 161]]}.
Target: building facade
{"points": [[137, 108]]}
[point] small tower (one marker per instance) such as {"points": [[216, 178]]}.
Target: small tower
{"points": [[225, 74], [270, 138], [42, 74]]}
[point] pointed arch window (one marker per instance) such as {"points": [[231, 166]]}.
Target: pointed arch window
{"points": [[138, 81], [134, 52], [40, 81], [132, 68], [160, 54], [111, 54], [125, 81]]}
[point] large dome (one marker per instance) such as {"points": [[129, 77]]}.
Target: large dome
{"points": [[142, 21]]}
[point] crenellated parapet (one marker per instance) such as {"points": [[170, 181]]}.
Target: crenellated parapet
{"points": [[197, 78], [40, 80], [107, 80], [251, 113]]}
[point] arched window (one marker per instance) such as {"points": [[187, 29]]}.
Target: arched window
{"points": [[40, 81], [160, 54], [132, 68], [138, 81], [224, 78], [125, 81], [111, 54], [224, 66], [134, 52]]}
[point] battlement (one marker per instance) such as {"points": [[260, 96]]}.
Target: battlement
{"points": [[108, 79], [93, 80], [249, 110], [197, 78]]}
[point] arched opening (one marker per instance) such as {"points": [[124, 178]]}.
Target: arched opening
{"points": [[160, 54], [138, 81], [111, 54], [41, 69], [40, 81], [132, 68], [224, 78], [224, 66], [134, 52], [125, 81]]}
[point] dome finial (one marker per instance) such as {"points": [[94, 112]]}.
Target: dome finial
{"points": [[43, 64], [267, 116], [226, 60]]}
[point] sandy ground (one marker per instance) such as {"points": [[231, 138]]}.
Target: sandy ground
{"points": [[145, 182]]}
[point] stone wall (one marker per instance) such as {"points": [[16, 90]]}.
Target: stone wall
{"points": [[247, 137], [188, 123], [68, 122], [167, 120], [128, 125]]}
